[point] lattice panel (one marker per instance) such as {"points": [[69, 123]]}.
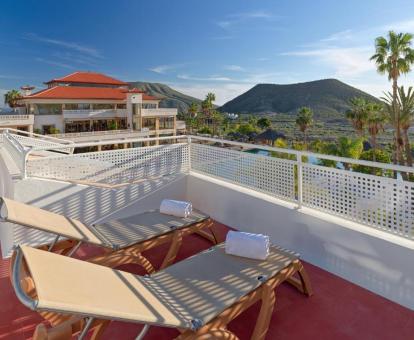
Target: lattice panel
{"points": [[115, 166], [37, 142], [380, 202], [15, 150], [269, 175]]}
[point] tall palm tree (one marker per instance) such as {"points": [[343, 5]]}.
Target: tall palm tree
{"points": [[406, 101], [304, 120], [394, 57], [405, 104], [11, 98], [358, 114], [376, 119]]}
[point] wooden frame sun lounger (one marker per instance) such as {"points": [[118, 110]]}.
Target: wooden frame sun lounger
{"points": [[123, 239], [198, 296]]}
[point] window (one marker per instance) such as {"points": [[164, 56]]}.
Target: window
{"points": [[48, 109], [48, 129], [149, 106], [148, 123], [77, 106], [166, 123], [121, 106], [103, 106]]}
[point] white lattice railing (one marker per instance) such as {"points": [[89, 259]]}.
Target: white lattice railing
{"points": [[15, 150], [380, 202], [269, 175], [114, 167], [29, 139]]}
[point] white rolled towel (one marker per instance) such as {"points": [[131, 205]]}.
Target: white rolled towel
{"points": [[176, 208], [254, 246]]}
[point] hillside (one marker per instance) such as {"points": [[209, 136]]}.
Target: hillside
{"points": [[171, 97], [329, 99]]}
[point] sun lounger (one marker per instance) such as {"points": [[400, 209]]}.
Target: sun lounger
{"points": [[198, 296], [123, 239]]}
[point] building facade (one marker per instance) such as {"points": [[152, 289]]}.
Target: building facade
{"points": [[84, 102]]}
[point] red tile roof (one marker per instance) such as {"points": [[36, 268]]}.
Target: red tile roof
{"points": [[76, 92], [88, 77]]}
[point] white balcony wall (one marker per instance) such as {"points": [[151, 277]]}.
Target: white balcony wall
{"points": [[377, 261], [86, 203]]}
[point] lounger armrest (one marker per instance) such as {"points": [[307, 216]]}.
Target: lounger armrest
{"points": [[17, 281]]}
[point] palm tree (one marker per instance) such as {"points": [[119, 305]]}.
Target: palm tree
{"points": [[193, 109], [394, 57], [264, 123], [11, 98], [406, 101], [358, 114], [405, 105], [210, 98], [304, 120], [375, 122]]}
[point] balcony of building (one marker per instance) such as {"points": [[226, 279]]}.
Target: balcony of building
{"points": [[94, 114], [161, 112], [16, 120], [354, 230]]}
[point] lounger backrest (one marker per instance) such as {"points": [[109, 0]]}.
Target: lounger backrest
{"points": [[33, 217]]}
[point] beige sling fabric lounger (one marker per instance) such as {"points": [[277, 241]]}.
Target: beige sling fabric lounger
{"points": [[124, 239], [198, 296]]}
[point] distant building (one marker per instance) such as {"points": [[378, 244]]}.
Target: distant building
{"points": [[89, 102]]}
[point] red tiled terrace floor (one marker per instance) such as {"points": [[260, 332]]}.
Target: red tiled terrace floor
{"points": [[337, 310]]}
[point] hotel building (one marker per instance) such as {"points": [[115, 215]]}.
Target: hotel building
{"points": [[86, 103]]}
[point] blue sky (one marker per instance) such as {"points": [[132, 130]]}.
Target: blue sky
{"points": [[224, 46]]}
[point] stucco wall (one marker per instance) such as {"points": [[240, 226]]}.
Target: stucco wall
{"points": [[56, 120]]}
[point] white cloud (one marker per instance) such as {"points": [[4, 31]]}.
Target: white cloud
{"points": [[349, 61], [400, 26], [162, 69], [223, 92], [55, 63], [238, 18], [235, 68], [209, 78], [339, 36], [88, 50]]}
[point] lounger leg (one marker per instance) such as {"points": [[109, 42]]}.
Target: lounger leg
{"points": [[212, 334], [176, 242], [211, 236], [266, 310], [99, 329], [303, 283]]}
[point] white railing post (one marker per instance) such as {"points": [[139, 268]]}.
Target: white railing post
{"points": [[300, 179], [189, 153]]}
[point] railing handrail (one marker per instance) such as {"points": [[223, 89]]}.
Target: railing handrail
{"points": [[115, 141], [93, 133], [92, 110], [297, 153], [31, 134], [15, 116]]}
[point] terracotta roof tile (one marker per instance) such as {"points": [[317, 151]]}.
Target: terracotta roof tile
{"points": [[88, 77], [77, 92]]}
